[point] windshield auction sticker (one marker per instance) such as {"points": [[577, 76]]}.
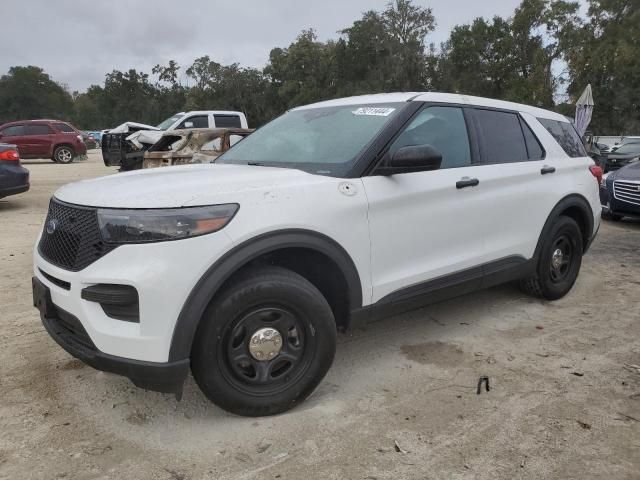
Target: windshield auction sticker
{"points": [[374, 111]]}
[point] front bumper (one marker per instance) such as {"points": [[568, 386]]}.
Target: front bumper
{"points": [[615, 206], [69, 333], [163, 274]]}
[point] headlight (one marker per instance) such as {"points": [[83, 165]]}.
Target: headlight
{"points": [[79, 137], [157, 225]]}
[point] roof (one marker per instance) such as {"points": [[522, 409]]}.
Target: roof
{"points": [[437, 97], [37, 120], [214, 112]]}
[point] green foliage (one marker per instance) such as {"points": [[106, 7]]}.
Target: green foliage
{"points": [[604, 51], [529, 57], [29, 92]]}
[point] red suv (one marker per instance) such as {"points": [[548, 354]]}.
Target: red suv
{"points": [[54, 139]]}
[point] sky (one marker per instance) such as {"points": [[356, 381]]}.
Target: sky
{"points": [[78, 41]]}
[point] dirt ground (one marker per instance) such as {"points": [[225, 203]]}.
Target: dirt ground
{"points": [[400, 401]]}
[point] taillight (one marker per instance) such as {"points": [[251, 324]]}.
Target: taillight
{"points": [[11, 155], [596, 171]]}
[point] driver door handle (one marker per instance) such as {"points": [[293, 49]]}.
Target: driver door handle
{"points": [[465, 182], [547, 169]]}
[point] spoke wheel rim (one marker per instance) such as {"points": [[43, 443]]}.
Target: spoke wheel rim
{"points": [[64, 155], [562, 255], [272, 375]]}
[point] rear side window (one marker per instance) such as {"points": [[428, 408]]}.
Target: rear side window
{"points": [[566, 136], [200, 121], [13, 131], [36, 130], [63, 127], [501, 137], [227, 121]]}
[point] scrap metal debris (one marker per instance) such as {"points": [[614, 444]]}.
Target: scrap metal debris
{"points": [[192, 145], [483, 379], [398, 448]]}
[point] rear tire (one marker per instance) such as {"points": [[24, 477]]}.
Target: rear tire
{"points": [[63, 154], [271, 308], [559, 262]]}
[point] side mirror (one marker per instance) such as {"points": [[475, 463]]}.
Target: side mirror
{"points": [[413, 158], [188, 124]]}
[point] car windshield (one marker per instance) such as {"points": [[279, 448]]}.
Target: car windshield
{"points": [[628, 148], [170, 121], [324, 141]]}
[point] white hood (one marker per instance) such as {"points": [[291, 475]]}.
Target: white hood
{"points": [[131, 126], [147, 137], [189, 185]]}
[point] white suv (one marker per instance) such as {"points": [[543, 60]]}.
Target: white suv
{"points": [[331, 214]]}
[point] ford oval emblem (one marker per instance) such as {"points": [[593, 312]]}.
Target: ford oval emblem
{"points": [[51, 226]]}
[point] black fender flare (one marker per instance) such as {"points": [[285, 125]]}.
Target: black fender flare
{"points": [[239, 256], [570, 201]]}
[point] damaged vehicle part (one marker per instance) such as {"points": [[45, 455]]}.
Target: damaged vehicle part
{"points": [[181, 147], [125, 145]]}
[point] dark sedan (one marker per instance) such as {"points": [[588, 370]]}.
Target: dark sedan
{"points": [[13, 177], [620, 193], [621, 156]]}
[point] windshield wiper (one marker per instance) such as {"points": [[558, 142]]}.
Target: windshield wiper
{"points": [[256, 164]]}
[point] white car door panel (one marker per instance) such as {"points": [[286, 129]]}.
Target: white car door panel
{"points": [[517, 196], [422, 226]]}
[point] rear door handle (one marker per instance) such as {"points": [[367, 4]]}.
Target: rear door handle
{"points": [[547, 169], [465, 182]]}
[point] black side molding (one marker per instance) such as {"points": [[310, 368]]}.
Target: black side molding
{"points": [[445, 287]]}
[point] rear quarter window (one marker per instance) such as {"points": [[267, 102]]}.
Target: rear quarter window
{"points": [[63, 127], [227, 121], [566, 136]]}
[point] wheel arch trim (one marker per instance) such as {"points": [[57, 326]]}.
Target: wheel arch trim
{"points": [[572, 200], [239, 256]]}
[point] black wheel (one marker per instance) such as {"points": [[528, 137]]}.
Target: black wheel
{"points": [[264, 343], [559, 262], [63, 154]]}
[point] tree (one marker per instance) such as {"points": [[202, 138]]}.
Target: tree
{"points": [[604, 51], [171, 93], [511, 59], [304, 72], [28, 92]]}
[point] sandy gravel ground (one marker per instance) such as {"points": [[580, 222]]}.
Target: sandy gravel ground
{"points": [[400, 401]]}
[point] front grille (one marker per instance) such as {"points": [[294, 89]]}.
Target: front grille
{"points": [[71, 237], [627, 191]]}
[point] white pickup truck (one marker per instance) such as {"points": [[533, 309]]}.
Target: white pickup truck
{"points": [[124, 146]]}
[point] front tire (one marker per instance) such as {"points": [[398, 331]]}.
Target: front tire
{"points": [[63, 154], [559, 262], [264, 343]]}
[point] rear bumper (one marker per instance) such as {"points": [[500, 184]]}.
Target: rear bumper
{"points": [[14, 179], [69, 333], [6, 191]]}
